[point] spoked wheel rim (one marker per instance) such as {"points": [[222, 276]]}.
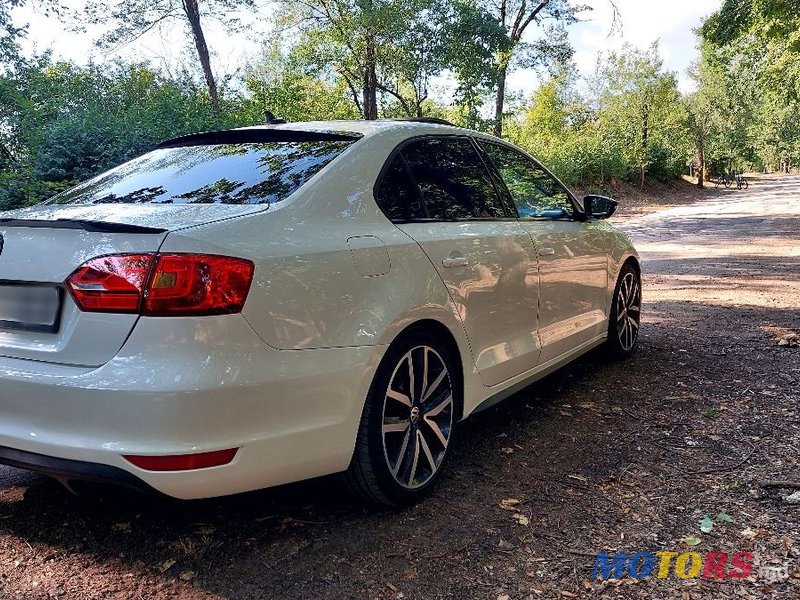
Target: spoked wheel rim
{"points": [[417, 417], [629, 300]]}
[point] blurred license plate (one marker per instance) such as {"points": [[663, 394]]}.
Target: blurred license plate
{"points": [[33, 307]]}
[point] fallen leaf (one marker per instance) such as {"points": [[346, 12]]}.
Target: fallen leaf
{"points": [[522, 519], [724, 518], [509, 504], [706, 524], [166, 565], [188, 575], [749, 534], [507, 450], [121, 527], [691, 541]]}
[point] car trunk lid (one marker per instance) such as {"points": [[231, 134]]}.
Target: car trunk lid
{"points": [[42, 246]]}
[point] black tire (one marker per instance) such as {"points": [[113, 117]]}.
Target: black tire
{"points": [[389, 426], [624, 320]]}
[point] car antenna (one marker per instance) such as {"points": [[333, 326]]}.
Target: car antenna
{"points": [[272, 119]]}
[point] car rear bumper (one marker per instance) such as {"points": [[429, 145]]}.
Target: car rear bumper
{"points": [[71, 470], [185, 386]]}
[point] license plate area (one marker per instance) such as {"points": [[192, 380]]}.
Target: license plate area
{"points": [[30, 307]]}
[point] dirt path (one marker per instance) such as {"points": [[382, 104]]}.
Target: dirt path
{"points": [[627, 456]]}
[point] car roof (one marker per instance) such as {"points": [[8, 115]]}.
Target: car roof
{"points": [[391, 129], [396, 129], [368, 128]]}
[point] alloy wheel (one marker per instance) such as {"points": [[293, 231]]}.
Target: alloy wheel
{"points": [[417, 417], [629, 299]]}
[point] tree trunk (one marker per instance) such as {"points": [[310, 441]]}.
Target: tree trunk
{"points": [[192, 11], [645, 134], [500, 100], [370, 90], [701, 159]]}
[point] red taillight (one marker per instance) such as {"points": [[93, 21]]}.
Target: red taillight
{"points": [[111, 283], [162, 284], [182, 462], [197, 284]]}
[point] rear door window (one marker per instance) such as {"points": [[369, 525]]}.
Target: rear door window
{"points": [[397, 195], [241, 173], [453, 180]]}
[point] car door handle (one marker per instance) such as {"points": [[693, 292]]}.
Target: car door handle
{"points": [[454, 263], [547, 251]]}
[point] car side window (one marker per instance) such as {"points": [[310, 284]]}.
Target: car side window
{"points": [[453, 179], [536, 193], [397, 195]]}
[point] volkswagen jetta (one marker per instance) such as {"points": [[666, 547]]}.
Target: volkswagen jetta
{"points": [[246, 308]]}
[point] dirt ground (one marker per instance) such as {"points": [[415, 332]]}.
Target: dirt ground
{"points": [[626, 456]]}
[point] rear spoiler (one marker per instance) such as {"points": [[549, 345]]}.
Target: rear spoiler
{"points": [[258, 136], [85, 224]]}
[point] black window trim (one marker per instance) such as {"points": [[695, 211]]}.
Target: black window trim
{"points": [[497, 177], [578, 214], [510, 216]]}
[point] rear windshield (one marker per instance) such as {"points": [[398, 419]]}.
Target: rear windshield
{"points": [[257, 173]]}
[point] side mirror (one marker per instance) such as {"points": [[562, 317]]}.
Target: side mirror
{"points": [[599, 207]]}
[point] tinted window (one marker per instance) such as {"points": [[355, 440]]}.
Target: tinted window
{"points": [[212, 174], [397, 195], [453, 179], [535, 192]]}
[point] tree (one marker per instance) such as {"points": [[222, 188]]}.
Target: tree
{"points": [[11, 32], [515, 17], [61, 123], [641, 110], [350, 37], [391, 49], [719, 115], [283, 85], [753, 49], [131, 19]]}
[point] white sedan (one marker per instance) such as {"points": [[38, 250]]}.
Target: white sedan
{"points": [[241, 309]]}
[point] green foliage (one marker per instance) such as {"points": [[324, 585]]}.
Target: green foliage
{"points": [[286, 87], [10, 32], [128, 20], [63, 123], [387, 51], [749, 71], [631, 122]]}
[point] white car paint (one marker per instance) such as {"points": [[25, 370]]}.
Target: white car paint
{"points": [[285, 381]]}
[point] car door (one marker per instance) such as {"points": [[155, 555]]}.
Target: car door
{"points": [[482, 254], [572, 257]]}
